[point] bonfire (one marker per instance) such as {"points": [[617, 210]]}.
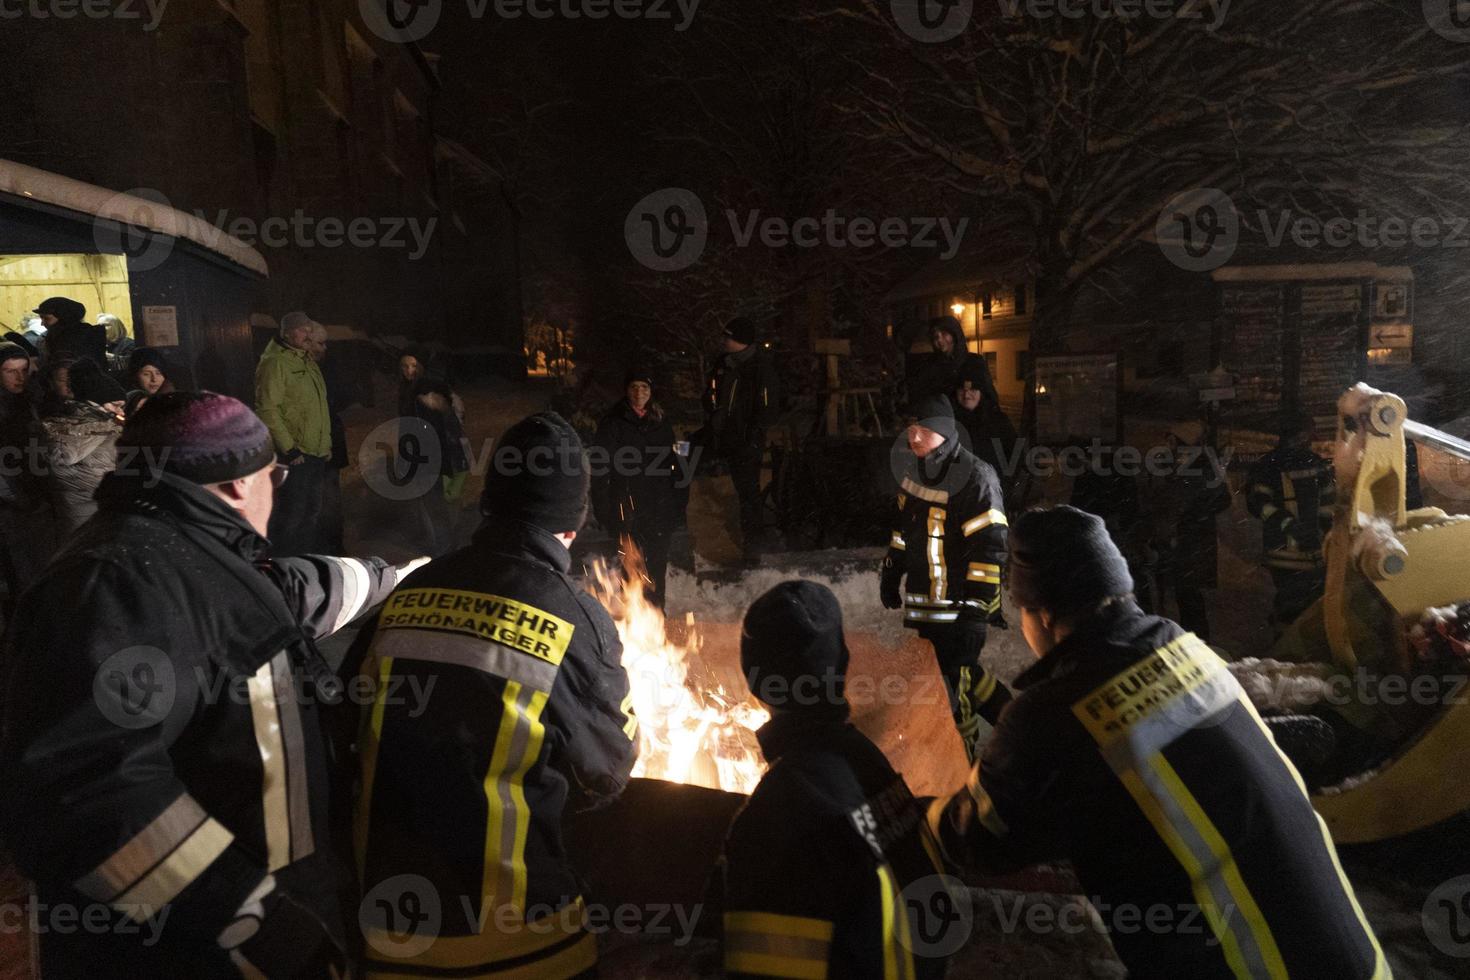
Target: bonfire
{"points": [[691, 729]]}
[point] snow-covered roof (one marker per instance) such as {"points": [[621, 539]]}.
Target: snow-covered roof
{"points": [[40, 185], [1294, 271]]}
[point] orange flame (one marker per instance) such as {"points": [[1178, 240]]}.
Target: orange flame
{"points": [[703, 735]]}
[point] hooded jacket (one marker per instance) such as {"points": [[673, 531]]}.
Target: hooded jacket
{"points": [[950, 540], [81, 450], [742, 399], [817, 861], [291, 399], [1131, 751], [940, 374], [530, 711], [162, 743], [71, 336]]}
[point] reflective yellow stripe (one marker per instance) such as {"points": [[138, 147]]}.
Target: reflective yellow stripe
{"points": [[984, 572], [175, 873], [985, 806], [147, 848], [985, 687], [938, 585], [263, 713], [456, 955], [925, 493], [1228, 869], [772, 945], [1289, 496], [630, 727], [903, 499], [779, 925], [898, 964], [374, 736], [985, 520], [517, 745], [897, 542]]}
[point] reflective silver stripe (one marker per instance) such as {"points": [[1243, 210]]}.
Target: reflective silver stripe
{"points": [[285, 797], [924, 602], [298, 793], [466, 651], [921, 616], [938, 576], [925, 493], [897, 542], [175, 873], [147, 848], [357, 588]]}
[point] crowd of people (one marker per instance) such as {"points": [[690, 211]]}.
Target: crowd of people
{"points": [[179, 752]]}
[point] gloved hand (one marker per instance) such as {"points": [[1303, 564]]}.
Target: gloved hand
{"points": [[998, 619], [890, 585], [274, 935]]}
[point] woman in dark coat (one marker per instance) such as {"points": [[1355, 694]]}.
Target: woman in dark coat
{"points": [[634, 492], [952, 357]]}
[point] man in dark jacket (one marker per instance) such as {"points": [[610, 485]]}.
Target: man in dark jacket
{"points": [[463, 801], [985, 428], [68, 336], [816, 863], [1131, 751], [742, 400], [166, 769], [25, 527], [634, 493], [944, 561], [1291, 492]]}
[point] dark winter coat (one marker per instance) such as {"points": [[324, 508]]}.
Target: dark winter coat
{"points": [[990, 435], [949, 546], [81, 447], [22, 452], [71, 339], [1184, 505], [940, 374], [742, 400], [634, 485], [432, 402], [162, 742], [1131, 751], [1291, 492], [816, 861], [531, 710]]}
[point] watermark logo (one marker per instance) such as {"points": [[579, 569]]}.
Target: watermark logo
{"points": [[1450, 19], [401, 459], [135, 688], [401, 916], [932, 21], [401, 21], [668, 230], [88, 9], [143, 210], [941, 915], [1120, 10], [1199, 229], [1446, 917]]}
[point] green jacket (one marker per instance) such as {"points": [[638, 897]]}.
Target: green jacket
{"points": [[291, 399]]}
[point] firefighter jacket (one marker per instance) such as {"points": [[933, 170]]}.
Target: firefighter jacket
{"points": [[162, 740], [1291, 493], [525, 704], [816, 861], [1132, 751], [950, 540], [742, 399]]}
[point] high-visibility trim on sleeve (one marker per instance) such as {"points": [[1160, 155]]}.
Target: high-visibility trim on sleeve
{"points": [[772, 945], [984, 520], [983, 572], [897, 542], [174, 873], [630, 727], [357, 589], [148, 848], [985, 806]]}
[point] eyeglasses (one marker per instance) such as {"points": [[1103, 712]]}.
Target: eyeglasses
{"points": [[279, 472]]}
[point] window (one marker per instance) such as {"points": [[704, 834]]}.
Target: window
{"points": [[985, 313], [1023, 364], [1021, 300]]}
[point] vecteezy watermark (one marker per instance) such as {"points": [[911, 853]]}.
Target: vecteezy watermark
{"points": [[87, 9], [1121, 10], [1450, 19], [932, 21], [408, 21], [143, 213], [668, 230], [33, 460], [403, 915], [1199, 229], [1364, 230], [1446, 917], [139, 687], [403, 459], [93, 919], [809, 690]]}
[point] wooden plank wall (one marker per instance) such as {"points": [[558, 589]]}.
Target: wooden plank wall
{"points": [[98, 282]]}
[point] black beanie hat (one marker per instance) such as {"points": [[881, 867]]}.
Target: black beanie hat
{"points": [[22, 341], [89, 384], [201, 436], [12, 352], [142, 357], [539, 475], [792, 650], [740, 330], [638, 374], [935, 412], [1062, 559]]}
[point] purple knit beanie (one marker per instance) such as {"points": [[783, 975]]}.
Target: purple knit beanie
{"points": [[200, 436]]}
